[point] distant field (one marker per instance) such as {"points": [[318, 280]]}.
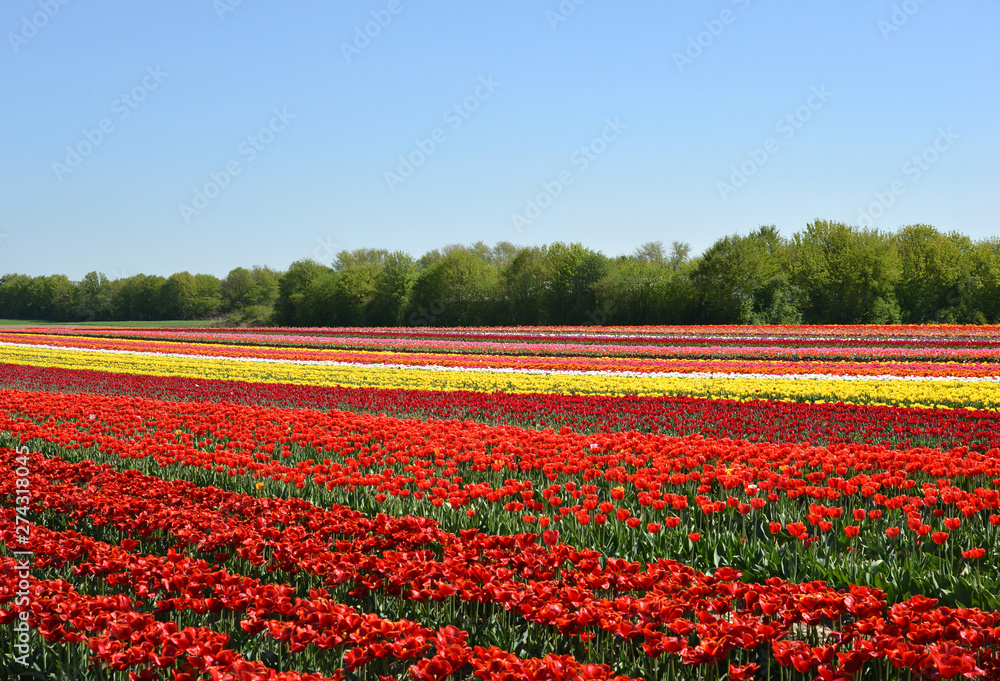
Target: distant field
{"points": [[169, 323]]}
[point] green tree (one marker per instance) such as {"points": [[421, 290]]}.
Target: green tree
{"points": [[626, 294], [139, 298], [983, 293], [179, 295], [207, 296], [847, 274], [94, 295], [293, 287], [60, 298], [575, 272], [934, 274], [674, 298], [503, 254], [265, 286], [319, 300], [392, 288], [743, 280], [237, 290], [651, 252], [357, 274], [679, 255], [458, 289], [524, 283], [15, 296]]}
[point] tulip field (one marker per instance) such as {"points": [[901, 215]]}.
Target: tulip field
{"points": [[543, 503]]}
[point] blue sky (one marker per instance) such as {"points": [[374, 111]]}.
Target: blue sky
{"points": [[611, 124]]}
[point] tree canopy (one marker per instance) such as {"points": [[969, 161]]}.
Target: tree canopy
{"points": [[829, 272]]}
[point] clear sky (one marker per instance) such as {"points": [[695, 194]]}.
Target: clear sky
{"points": [[412, 124]]}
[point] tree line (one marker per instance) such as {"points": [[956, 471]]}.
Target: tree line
{"points": [[828, 273]]}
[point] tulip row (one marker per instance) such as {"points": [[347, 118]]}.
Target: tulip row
{"points": [[981, 392], [843, 335], [138, 496], [757, 420], [502, 359], [125, 502], [174, 584], [216, 435], [723, 613], [129, 640], [601, 490]]}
